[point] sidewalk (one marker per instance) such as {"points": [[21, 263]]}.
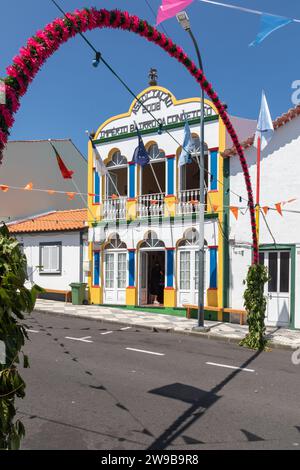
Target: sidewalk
{"points": [[229, 332]]}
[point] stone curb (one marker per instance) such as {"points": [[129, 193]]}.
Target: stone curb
{"points": [[209, 335]]}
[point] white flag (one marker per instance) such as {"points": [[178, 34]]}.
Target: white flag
{"points": [[264, 129], [99, 165]]}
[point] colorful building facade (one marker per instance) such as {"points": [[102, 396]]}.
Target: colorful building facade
{"points": [[140, 218]]}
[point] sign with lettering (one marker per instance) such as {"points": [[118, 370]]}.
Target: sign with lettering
{"points": [[155, 105]]}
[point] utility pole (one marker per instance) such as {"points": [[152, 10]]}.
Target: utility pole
{"points": [[184, 21]]}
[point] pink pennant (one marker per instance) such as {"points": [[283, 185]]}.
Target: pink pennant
{"points": [[170, 8]]}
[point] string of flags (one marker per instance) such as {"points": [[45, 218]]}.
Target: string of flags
{"points": [[269, 23], [235, 210]]}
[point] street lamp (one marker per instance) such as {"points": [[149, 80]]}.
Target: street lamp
{"points": [[184, 21]]}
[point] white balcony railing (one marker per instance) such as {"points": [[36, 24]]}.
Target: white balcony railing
{"points": [[151, 205], [114, 208], [188, 201]]}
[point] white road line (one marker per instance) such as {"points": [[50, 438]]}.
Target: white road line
{"points": [[32, 331], [229, 367], [84, 339], [146, 352], [106, 333], [126, 328]]}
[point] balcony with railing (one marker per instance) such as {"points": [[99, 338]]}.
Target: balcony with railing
{"points": [[187, 201], [114, 208], [151, 205]]}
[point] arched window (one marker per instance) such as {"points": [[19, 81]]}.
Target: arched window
{"points": [[150, 183], [116, 182], [190, 238], [155, 153], [117, 159], [115, 243], [151, 241]]}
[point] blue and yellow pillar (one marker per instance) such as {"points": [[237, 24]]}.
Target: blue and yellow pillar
{"points": [[169, 291], [131, 289]]}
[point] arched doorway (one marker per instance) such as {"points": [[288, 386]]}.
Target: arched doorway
{"points": [[115, 271], [188, 268], [152, 270]]}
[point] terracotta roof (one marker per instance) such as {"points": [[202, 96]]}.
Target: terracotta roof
{"points": [[279, 122], [52, 222]]}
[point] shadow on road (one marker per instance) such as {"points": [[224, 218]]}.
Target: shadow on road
{"points": [[200, 401]]}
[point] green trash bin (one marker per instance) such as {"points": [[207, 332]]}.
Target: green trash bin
{"points": [[78, 292]]}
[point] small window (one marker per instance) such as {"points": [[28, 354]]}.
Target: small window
{"points": [[50, 258]]}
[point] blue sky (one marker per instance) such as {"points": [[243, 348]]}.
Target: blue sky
{"points": [[69, 95]]}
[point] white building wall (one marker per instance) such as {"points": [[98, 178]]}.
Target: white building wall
{"points": [[136, 232], [70, 265], [280, 173]]}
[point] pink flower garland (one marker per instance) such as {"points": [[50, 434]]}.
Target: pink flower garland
{"points": [[46, 42]]}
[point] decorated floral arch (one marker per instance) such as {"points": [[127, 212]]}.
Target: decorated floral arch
{"points": [[45, 42]]}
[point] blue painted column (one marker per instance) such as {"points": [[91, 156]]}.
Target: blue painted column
{"points": [[213, 264], [96, 268], [97, 186], [170, 267], [132, 186], [213, 169], [131, 268], [170, 174]]}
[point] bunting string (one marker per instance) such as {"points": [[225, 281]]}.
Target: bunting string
{"points": [[245, 10], [215, 208]]}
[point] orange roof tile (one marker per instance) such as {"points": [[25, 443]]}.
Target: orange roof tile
{"points": [[53, 222], [279, 122]]}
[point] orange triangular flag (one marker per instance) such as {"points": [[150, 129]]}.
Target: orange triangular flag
{"points": [[92, 194], [71, 195], [114, 196], [215, 208], [4, 188], [278, 208], [265, 209], [235, 211], [51, 191], [29, 186]]}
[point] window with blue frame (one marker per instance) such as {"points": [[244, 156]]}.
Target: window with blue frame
{"points": [[96, 184]]}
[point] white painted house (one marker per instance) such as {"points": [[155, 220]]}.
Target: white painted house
{"points": [[279, 234], [55, 245]]}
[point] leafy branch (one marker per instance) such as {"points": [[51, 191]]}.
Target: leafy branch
{"points": [[15, 301], [255, 304]]}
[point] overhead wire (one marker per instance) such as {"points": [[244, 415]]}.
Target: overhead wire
{"points": [[121, 80]]}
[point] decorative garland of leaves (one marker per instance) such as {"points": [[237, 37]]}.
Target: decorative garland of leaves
{"points": [[15, 299], [255, 305], [37, 52]]}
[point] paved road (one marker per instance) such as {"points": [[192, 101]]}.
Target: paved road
{"points": [[91, 385]]}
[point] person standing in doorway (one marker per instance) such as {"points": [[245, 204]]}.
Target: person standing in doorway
{"points": [[155, 283]]}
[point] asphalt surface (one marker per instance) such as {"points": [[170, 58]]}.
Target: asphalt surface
{"points": [[106, 392]]}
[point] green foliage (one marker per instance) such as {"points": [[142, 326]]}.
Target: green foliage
{"points": [[255, 304], [15, 300]]}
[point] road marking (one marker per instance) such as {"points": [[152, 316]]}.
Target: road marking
{"points": [[229, 367], [32, 331], [126, 328], [146, 352], [85, 339], [106, 333]]}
